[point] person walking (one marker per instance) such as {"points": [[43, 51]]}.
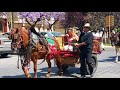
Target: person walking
{"points": [[85, 44]]}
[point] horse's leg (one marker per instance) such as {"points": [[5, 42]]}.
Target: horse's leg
{"points": [[25, 70], [60, 70], [34, 58], [49, 68], [59, 60], [117, 51], [35, 68]]}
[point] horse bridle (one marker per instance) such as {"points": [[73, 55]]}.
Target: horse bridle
{"points": [[17, 44], [17, 40]]}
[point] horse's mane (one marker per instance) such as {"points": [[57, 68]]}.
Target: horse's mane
{"points": [[24, 30]]}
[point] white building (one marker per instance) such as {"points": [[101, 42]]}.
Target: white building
{"points": [[4, 27]]}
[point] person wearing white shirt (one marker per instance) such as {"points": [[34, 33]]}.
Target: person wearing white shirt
{"points": [[97, 35]]}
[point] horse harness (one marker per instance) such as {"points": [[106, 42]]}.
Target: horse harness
{"points": [[23, 52]]}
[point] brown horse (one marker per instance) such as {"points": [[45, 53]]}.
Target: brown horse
{"points": [[115, 41], [21, 40]]}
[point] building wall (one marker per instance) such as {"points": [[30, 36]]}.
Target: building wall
{"points": [[1, 25]]}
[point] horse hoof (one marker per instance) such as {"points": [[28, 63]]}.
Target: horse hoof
{"points": [[115, 61], [47, 75], [29, 76], [60, 73], [35, 76]]}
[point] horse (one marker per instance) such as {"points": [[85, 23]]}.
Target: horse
{"points": [[22, 42], [115, 41]]}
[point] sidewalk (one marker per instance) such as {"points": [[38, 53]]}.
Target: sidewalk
{"points": [[108, 46]]}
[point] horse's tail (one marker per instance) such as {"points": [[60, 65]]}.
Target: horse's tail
{"points": [[44, 59]]}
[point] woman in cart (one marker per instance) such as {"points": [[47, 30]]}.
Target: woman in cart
{"points": [[71, 38]]}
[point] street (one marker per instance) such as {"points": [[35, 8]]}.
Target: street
{"points": [[106, 67]]}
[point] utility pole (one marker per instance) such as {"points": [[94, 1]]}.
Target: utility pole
{"points": [[109, 29], [11, 19], [109, 23]]}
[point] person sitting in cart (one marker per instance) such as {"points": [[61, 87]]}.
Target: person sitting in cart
{"points": [[71, 38], [85, 44]]}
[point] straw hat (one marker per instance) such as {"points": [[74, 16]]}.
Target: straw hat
{"points": [[87, 25]]}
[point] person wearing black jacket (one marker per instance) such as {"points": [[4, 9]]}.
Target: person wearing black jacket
{"points": [[85, 45]]}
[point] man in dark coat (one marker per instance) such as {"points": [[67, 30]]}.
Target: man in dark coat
{"points": [[86, 46]]}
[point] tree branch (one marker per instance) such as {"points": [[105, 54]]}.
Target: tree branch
{"points": [[55, 21], [50, 25], [28, 22], [38, 19]]}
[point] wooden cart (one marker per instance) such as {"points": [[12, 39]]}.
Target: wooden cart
{"points": [[71, 58]]}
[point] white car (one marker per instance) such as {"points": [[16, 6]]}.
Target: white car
{"points": [[5, 46]]}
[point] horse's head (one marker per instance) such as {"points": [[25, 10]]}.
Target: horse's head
{"points": [[115, 38], [19, 38]]}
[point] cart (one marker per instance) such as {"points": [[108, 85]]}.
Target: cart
{"points": [[71, 58]]}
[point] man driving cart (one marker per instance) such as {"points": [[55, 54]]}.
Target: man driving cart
{"points": [[85, 44]]}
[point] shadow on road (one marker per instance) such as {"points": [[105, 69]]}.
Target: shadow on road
{"points": [[1, 57], [8, 56], [17, 76], [43, 71], [110, 59], [54, 71]]}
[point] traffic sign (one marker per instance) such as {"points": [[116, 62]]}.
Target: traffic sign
{"points": [[109, 21]]}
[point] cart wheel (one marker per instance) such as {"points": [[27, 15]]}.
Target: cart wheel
{"points": [[64, 67], [94, 58]]}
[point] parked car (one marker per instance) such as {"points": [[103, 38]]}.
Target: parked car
{"points": [[57, 34], [6, 34], [50, 35], [5, 46]]}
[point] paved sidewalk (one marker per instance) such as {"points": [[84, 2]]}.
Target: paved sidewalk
{"points": [[108, 46], [106, 66]]}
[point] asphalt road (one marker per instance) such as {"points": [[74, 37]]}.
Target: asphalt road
{"points": [[106, 67]]}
